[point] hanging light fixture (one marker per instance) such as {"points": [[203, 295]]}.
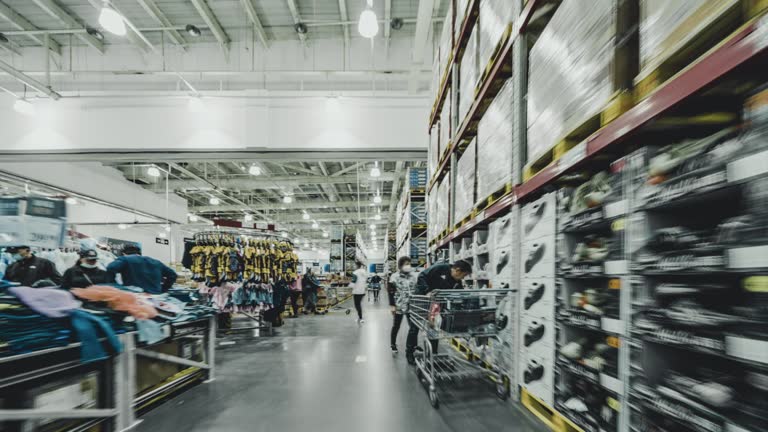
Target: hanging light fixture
{"points": [[23, 106], [377, 198], [214, 201], [368, 26], [70, 201], [315, 225], [305, 216], [254, 170], [248, 218], [111, 20], [193, 218], [375, 171], [153, 171], [325, 235], [162, 234], [306, 245], [287, 199], [122, 226], [377, 216], [373, 226], [284, 234], [167, 228]]}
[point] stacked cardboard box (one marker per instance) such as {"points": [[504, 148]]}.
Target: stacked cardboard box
{"points": [[465, 182], [495, 155]]}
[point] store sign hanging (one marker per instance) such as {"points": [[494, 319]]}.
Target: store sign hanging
{"points": [[162, 241], [31, 221]]}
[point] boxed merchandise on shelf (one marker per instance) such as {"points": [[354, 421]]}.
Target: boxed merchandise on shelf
{"points": [[417, 178], [434, 148], [445, 45], [495, 21], [432, 230], [445, 128], [576, 68], [495, 151], [465, 183], [469, 74], [442, 207]]}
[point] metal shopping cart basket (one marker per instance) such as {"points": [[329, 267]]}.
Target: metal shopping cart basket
{"points": [[468, 314]]}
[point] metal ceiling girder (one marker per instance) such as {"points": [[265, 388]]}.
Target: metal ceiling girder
{"points": [[29, 81], [276, 182], [157, 14], [296, 17], [212, 22], [293, 206], [21, 23], [54, 10], [344, 18], [133, 33], [250, 10]]}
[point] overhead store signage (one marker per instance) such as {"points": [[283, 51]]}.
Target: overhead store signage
{"points": [[35, 222], [162, 241], [116, 246]]}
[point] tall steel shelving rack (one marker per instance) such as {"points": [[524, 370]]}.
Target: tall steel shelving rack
{"points": [[736, 59]]}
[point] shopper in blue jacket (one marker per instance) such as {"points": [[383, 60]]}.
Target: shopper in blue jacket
{"points": [[146, 273]]}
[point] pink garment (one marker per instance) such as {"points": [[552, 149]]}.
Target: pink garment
{"points": [[118, 300], [296, 285]]}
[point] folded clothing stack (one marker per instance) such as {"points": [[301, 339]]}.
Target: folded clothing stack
{"points": [[22, 330]]}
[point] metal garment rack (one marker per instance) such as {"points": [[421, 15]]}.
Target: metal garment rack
{"points": [[121, 372]]}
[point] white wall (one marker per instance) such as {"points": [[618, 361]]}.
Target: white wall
{"points": [[144, 235], [227, 124], [96, 181]]}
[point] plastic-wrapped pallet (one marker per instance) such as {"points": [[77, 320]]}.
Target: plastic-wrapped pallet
{"points": [[495, 17], [494, 144], [445, 128], [432, 230], [434, 149], [570, 71], [445, 45], [468, 76], [465, 182], [666, 26], [442, 206]]}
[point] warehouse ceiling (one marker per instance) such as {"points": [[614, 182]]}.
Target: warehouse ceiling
{"points": [[329, 192], [241, 45]]}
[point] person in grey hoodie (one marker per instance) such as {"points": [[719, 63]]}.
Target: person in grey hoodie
{"points": [[401, 285]]}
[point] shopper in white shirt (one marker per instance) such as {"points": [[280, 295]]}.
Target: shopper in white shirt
{"points": [[359, 282]]}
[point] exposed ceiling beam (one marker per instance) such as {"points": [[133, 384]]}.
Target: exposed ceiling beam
{"points": [[54, 10], [29, 81], [423, 25], [21, 23], [395, 189], [346, 170], [133, 33], [11, 46], [275, 182], [302, 205], [296, 17], [295, 168], [212, 22], [387, 24], [250, 10], [157, 14], [327, 217], [344, 18]]}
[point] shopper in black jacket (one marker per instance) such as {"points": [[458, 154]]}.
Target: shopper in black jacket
{"points": [[29, 269], [310, 286], [85, 273], [438, 277]]}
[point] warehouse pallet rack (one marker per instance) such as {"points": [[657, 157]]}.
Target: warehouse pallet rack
{"points": [[411, 220], [683, 98], [117, 402]]}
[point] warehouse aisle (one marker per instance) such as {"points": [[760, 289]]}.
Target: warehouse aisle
{"points": [[327, 374]]}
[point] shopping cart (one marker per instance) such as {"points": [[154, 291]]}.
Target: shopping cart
{"points": [[374, 288], [468, 314]]}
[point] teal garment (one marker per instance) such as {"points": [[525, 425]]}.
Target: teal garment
{"points": [[90, 329], [146, 273], [150, 332]]}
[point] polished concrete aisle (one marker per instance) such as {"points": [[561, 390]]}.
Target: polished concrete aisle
{"points": [[327, 374]]}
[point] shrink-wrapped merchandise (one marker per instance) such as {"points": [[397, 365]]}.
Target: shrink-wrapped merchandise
{"points": [[445, 44], [666, 26], [434, 149], [442, 207], [468, 75], [465, 182], [445, 128], [570, 71], [495, 17], [432, 230], [494, 144]]}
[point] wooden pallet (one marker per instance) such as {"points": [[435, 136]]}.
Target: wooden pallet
{"points": [[495, 57], [702, 32], [551, 418], [620, 103], [466, 219], [467, 352], [494, 197]]}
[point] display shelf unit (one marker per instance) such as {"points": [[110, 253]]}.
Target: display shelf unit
{"points": [[113, 381]]}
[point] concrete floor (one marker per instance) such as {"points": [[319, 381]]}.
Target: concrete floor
{"points": [[328, 374]]}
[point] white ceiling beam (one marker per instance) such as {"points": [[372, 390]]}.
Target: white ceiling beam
{"points": [[295, 168], [387, 24], [296, 17], [54, 10], [275, 182], [423, 25], [300, 205], [250, 10], [346, 170], [133, 34], [21, 23], [327, 217], [29, 81], [11, 46], [212, 22], [344, 18], [157, 14]]}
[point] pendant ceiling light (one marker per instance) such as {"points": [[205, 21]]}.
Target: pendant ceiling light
{"points": [[248, 218], [287, 199], [111, 20], [254, 170], [284, 234], [153, 171], [315, 225], [214, 201], [122, 226], [368, 26], [305, 216], [193, 218], [325, 235], [375, 171]]}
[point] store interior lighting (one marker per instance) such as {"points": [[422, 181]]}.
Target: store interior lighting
{"points": [[71, 201], [287, 199], [153, 171], [248, 218], [122, 226], [373, 226], [284, 234], [315, 225], [25, 107], [305, 216], [168, 228], [111, 20], [254, 170], [162, 234], [214, 201], [193, 218], [325, 235], [368, 26]]}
